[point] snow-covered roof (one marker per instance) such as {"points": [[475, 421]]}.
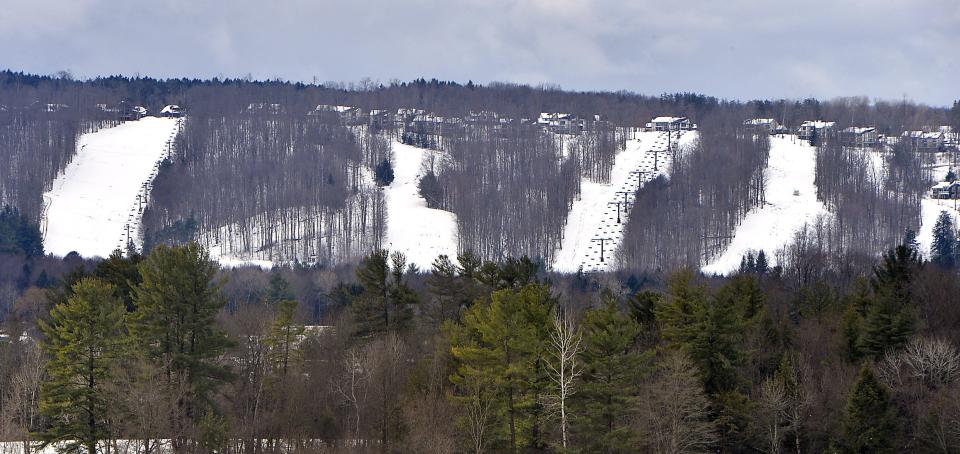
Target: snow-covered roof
{"points": [[758, 121], [858, 130], [818, 124], [668, 119], [944, 185], [171, 109], [922, 135]]}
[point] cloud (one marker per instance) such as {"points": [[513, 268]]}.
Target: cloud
{"points": [[737, 48]]}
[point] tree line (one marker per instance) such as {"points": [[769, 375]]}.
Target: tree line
{"points": [[484, 356]]}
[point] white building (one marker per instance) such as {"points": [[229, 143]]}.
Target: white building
{"points": [[671, 124]]}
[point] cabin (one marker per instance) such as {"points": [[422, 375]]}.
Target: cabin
{"points": [[946, 190], [856, 136], [762, 125], [171, 111], [130, 112], [670, 124], [923, 141], [808, 128]]}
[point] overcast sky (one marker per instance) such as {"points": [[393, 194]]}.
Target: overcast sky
{"points": [[728, 48]]}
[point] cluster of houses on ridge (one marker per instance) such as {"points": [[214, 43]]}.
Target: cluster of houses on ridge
{"points": [[857, 136], [123, 111]]}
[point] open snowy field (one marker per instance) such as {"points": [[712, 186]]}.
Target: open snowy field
{"points": [[91, 205], [594, 214], [791, 203], [419, 232]]}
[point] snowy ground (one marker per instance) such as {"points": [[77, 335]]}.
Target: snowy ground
{"points": [[95, 201], [930, 210], [419, 232], [791, 202], [594, 215]]}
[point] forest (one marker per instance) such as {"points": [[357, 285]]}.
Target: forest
{"points": [[179, 355]]}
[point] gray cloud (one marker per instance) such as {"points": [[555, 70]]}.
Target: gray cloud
{"points": [[734, 48]]}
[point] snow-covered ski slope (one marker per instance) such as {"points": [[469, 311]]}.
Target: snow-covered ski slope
{"points": [[594, 215], [93, 203], [791, 203], [931, 208], [419, 232]]}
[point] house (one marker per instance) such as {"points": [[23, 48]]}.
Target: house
{"points": [[946, 190], [809, 128], [856, 136], [130, 112], [762, 125], [560, 123], [380, 119], [171, 111], [671, 124], [405, 115], [923, 141]]}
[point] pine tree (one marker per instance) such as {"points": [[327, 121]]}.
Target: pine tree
{"points": [[386, 301], [910, 239], [943, 252], [762, 265], [500, 349], [284, 337], [889, 318], [174, 324], [611, 368], [870, 425], [709, 332], [122, 273], [86, 341], [279, 289], [446, 290]]}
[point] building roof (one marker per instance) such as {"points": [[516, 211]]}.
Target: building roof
{"points": [[858, 130], [668, 119], [759, 121], [818, 124]]}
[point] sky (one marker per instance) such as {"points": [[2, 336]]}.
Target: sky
{"points": [[734, 49]]}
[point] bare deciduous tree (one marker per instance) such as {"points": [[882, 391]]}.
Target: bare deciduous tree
{"points": [[563, 368]]}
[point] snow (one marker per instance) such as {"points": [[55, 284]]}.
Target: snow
{"points": [[419, 232], [594, 214], [791, 203], [930, 210], [91, 205]]}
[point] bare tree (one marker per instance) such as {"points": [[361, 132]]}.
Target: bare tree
{"points": [[562, 367], [352, 384], [674, 410]]}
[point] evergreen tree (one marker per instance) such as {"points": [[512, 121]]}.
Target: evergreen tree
{"points": [[762, 265], [943, 252], [86, 341], [870, 425], [122, 273], [18, 235], [910, 239], [446, 290], [499, 350], [383, 173], [177, 304], [951, 176], [889, 318], [709, 332], [279, 289], [611, 368], [284, 337], [386, 300]]}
